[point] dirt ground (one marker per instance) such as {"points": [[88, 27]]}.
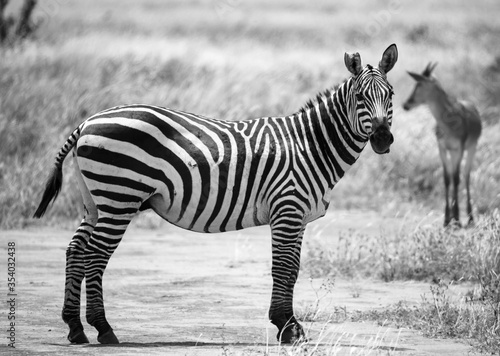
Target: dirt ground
{"points": [[172, 292]]}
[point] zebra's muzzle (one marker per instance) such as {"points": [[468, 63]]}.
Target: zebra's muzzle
{"points": [[381, 140]]}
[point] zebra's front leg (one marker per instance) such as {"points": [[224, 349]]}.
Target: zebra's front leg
{"points": [[286, 246], [295, 330]]}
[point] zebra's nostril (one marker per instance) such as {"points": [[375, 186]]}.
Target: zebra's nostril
{"points": [[383, 134]]}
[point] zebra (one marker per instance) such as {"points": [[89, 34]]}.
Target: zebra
{"points": [[210, 175], [458, 128]]}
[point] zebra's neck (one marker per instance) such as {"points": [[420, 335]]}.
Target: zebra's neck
{"points": [[334, 141]]}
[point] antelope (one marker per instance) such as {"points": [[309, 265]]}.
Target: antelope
{"points": [[458, 127]]}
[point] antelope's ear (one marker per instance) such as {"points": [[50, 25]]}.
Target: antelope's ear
{"points": [[416, 76], [353, 63], [428, 70], [389, 58]]}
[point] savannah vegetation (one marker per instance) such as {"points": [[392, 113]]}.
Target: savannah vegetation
{"points": [[439, 256], [237, 59]]}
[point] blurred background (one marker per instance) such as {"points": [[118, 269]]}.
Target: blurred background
{"points": [[237, 59]]}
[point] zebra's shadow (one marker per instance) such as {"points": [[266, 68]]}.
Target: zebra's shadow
{"points": [[178, 344], [195, 344]]}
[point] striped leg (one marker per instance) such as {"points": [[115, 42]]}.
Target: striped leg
{"points": [[287, 230], [75, 267], [75, 272], [289, 314], [104, 241]]}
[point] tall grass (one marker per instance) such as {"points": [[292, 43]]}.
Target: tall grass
{"points": [[236, 60], [426, 253]]}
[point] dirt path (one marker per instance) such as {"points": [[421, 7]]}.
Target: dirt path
{"points": [[171, 292]]}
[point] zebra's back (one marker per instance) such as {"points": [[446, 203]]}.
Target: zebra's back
{"points": [[210, 173]]}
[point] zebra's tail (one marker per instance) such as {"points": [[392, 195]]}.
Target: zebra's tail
{"points": [[54, 182]]}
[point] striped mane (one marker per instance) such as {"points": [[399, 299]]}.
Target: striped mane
{"points": [[311, 103]]}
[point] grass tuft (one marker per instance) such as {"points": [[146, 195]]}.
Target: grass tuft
{"points": [[474, 317], [427, 254]]}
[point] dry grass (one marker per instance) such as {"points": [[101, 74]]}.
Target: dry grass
{"points": [[474, 318], [426, 253]]}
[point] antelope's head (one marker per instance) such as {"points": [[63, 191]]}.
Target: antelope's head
{"points": [[425, 87], [373, 99]]}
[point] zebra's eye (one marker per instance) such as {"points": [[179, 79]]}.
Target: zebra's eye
{"points": [[359, 97]]}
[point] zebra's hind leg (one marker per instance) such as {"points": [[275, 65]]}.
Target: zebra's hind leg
{"points": [[105, 239], [286, 245], [75, 266], [75, 272]]}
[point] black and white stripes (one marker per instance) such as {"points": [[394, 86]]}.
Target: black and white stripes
{"points": [[210, 175]]}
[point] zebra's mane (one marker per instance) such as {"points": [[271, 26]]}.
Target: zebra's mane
{"points": [[311, 103]]}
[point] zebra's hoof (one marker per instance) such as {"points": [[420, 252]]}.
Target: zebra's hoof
{"points": [[78, 338], [292, 333], [108, 337]]}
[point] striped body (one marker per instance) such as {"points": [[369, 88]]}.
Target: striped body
{"points": [[213, 175], [209, 175]]}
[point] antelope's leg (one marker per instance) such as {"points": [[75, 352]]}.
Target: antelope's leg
{"points": [[455, 158], [467, 169], [446, 174]]}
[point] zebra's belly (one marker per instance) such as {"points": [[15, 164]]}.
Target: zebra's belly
{"points": [[231, 224], [209, 219]]}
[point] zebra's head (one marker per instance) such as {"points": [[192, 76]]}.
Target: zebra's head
{"points": [[371, 99]]}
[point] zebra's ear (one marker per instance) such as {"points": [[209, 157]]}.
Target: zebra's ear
{"points": [[353, 63], [389, 58]]}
